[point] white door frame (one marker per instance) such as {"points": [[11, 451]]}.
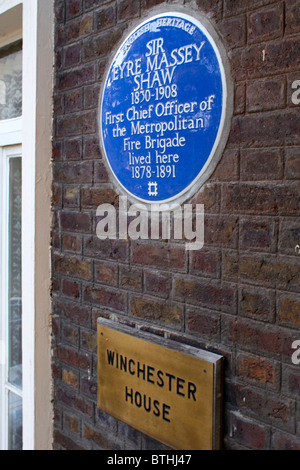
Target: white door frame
{"points": [[38, 53]]}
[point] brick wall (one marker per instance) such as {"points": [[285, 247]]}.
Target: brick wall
{"points": [[239, 295]]}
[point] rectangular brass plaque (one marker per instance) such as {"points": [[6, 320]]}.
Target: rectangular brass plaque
{"points": [[168, 391]]}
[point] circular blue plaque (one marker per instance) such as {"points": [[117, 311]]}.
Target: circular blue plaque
{"points": [[163, 107]]}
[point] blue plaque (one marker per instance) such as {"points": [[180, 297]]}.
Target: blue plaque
{"points": [[163, 107]]}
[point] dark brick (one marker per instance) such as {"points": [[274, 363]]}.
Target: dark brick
{"points": [[263, 95], [105, 17], [258, 234], [289, 235], [127, 10], [261, 164], [265, 24], [72, 55], [292, 163], [292, 17], [234, 30]]}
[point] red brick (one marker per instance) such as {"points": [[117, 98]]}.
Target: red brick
{"points": [[71, 243], [283, 441], [72, 55], [75, 221], [94, 196], [74, 30], [258, 304], [71, 288], [254, 336], [72, 266], [73, 101], [289, 310], [75, 402], [157, 283], [221, 231], [91, 147], [265, 129], [73, 312], [66, 442], [156, 311], [258, 370], [106, 273], [70, 334], [101, 45], [249, 433], [73, 358], [73, 149], [203, 322], [73, 172], [227, 168], [76, 77], [101, 438], [105, 298], [206, 263], [159, 254], [73, 8], [264, 269], [77, 124], [131, 278], [291, 380], [105, 249], [234, 30], [273, 410], [210, 294]]}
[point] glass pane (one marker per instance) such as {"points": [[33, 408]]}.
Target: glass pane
{"points": [[14, 422], [11, 81], [15, 284]]}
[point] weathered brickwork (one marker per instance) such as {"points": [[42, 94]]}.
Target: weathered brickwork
{"points": [[240, 295]]}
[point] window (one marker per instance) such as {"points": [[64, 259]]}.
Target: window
{"points": [[11, 298]]}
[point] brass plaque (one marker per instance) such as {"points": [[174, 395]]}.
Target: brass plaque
{"points": [[166, 390]]}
